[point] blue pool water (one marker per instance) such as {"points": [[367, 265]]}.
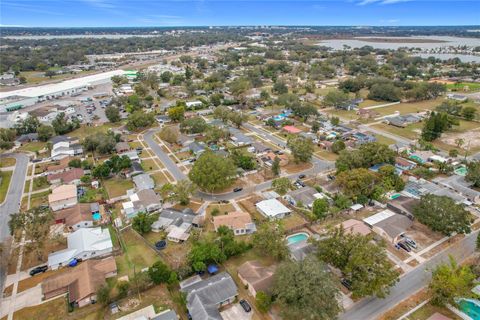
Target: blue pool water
{"points": [[471, 308], [297, 238], [96, 216]]}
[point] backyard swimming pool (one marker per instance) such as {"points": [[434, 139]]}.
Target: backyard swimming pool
{"points": [[471, 307], [96, 216], [297, 237]]}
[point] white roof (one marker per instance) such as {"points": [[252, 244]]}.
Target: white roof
{"points": [[438, 158], [47, 89], [178, 233], [376, 218], [61, 256], [90, 239], [356, 207], [272, 207]]}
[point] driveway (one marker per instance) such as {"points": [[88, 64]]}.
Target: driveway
{"points": [[236, 312], [27, 298]]}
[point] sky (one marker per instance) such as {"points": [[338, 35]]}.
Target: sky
{"points": [[135, 13]]}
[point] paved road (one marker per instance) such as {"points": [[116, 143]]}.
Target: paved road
{"points": [[318, 166], [372, 308], [14, 196]]}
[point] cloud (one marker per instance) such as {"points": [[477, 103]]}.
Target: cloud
{"points": [[105, 4], [366, 2], [30, 8], [390, 21]]}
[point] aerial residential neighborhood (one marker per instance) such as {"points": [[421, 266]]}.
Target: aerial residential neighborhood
{"points": [[239, 172]]}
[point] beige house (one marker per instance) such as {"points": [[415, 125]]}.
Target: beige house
{"points": [[238, 221], [64, 196], [256, 276]]}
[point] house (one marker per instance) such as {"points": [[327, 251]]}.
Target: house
{"points": [[268, 159], [135, 168], [176, 223], [403, 205], [457, 97], [143, 181], [145, 200], [238, 221], [132, 155], [81, 282], [185, 140], [389, 224], [71, 176], [421, 156], [256, 277], [403, 120], [162, 119], [291, 129], [238, 138], [64, 196], [404, 164], [83, 244], [258, 148], [28, 137], [205, 297], [122, 147], [309, 136], [353, 226], [196, 148], [303, 196], [362, 138], [367, 113], [63, 146], [78, 216], [272, 209], [194, 104]]}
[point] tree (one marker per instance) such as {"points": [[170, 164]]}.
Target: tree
{"points": [[281, 185], [469, 113], [279, 87], [176, 113], [335, 121], [263, 301], [29, 125], [100, 142], [304, 111], [302, 148], [436, 124], [306, 290], [103, 295], [243, 160], [212, 172], [270, 240], [453, 153], [215, 134], [45, 132], [193, 125], [364, 263], [222, 113], [385, 92], [276, 166], [140, 120], [142, 223], [216, 99], [367, 155], [358, 182], [75, 163], [61, 125], [160, 273], [112, 113], [473, 173], [338, 146], [50, 73], [390, 179], [320, 208], [203, 253], [335, 98], [450, 281], [122, 287], [169, 135], [166, 76], [442, 214], [237, 118], [182, 191]]}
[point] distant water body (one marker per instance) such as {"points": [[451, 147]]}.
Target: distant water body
{"points": [[81, 36], [432, 43]]}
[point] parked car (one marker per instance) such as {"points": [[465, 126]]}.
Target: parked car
{"points": [[245, 305], [331, 177], [237, 189], [302, 176], [37, 270], [409, 241], [346, 283], [114, 308], [160, 245], [404, 246]]}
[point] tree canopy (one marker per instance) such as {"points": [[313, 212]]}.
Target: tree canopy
{"points": [[302, 148], [212, 172]]}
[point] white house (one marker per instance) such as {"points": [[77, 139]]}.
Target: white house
{"points": [[62, 197], [63, 147], [272, 209], [194, 104], [83, 244]]}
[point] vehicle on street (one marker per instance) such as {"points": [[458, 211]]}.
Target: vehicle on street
{"points": [[346, 283], [37, 270], [302, 176], [237, 189], [245, 305]]}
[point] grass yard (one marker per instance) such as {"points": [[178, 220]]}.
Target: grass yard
{"points": [[343, 114], [149, 165], [159, 178], [370, 103], [6, 176], [293, 220], [411, 131], [33, 146], [84, 130], [472, 86], [384, 140], [52, 310], [326, 155], [116, 187], [411, 107], [40, 183], [135, 144], [27, 186], [137, 254], [7, 162], [37, 77], [428, 310]]}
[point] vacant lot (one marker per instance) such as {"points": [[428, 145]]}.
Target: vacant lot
{"points": [[149, 165], [85, 130], [5, 177], [411, 107], [7, 162], [116, 187]]}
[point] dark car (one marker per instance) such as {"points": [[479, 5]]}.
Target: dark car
{"points": [[160, 245], [237, 189], [245, 305], [302, 176], [404, 246], [346, 283], [330, 177], [37, 270]]}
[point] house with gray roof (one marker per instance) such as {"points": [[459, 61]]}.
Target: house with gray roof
{"points": [[238, 138], [196, 148], [205, 297], [143, 181], [177, 223]]}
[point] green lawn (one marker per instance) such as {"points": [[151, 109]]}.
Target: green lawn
{"points": [[38, 199], [472, 86], [33, 146], [116, 187], [6, 176], [40, 183], [84, 130], [428, 310], [411, 107], [384, 140], [37, 77], [409, 132], [137, 254], [7, 162]]}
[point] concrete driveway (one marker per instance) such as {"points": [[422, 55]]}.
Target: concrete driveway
{"points": [[236, 312], [27, 298]]}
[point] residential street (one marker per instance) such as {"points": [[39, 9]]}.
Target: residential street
{"points": [[372, 308], [15, 191]]}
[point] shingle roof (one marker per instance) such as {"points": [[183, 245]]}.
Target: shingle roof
{"points": [[257, 275]]}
